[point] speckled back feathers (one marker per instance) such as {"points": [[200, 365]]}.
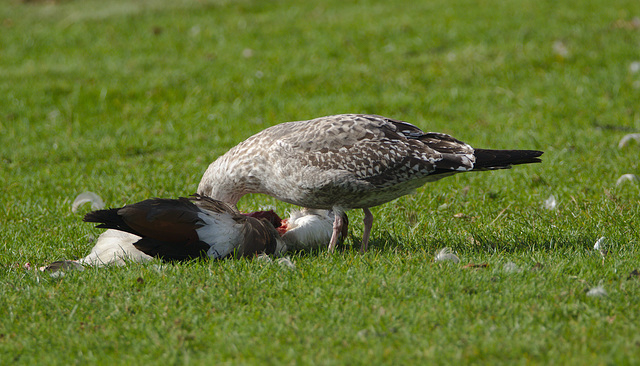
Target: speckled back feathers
{"points": [[348, 161]]}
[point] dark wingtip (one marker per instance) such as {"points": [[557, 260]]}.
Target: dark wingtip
{"points": [[497, 159], [101, 216], [108, 219]]}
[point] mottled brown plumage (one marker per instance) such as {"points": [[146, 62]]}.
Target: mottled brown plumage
{"points": [[344, 162]]}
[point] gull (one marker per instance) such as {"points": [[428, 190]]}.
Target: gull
{"points": [[344, 162]]}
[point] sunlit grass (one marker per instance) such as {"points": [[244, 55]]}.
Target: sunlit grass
{"points": [[134, 99]]}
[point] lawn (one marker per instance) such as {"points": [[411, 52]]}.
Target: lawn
{"points": [[133, 99]]}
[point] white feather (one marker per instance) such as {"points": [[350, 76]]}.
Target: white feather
{"points": [[87, 197], [550, 203], [220, 231], [446, 254], [286, 263], [626, 138], [628, 178], [308, 229], [114, 247], [511, 268], [600, 243], [597, 291]]}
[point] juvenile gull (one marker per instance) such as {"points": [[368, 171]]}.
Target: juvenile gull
{"points": [[344, 162]]}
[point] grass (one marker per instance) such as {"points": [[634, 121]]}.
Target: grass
{"points": [[134, 99]]}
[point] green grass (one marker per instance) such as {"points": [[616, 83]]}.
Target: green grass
{"points": [[134, 99]]}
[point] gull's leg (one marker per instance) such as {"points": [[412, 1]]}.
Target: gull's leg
{"points": [[337, 229], [368, 224]]}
